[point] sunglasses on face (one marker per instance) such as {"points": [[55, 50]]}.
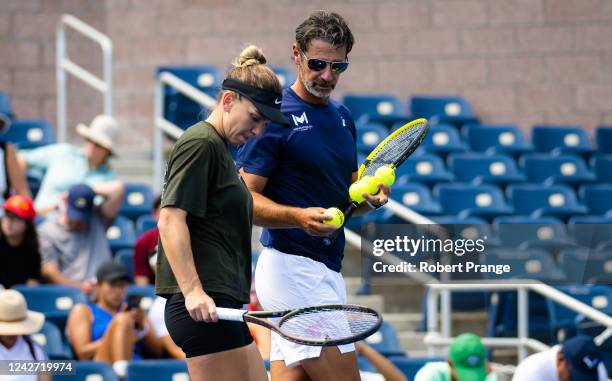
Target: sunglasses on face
{"points": [[316, 64]]}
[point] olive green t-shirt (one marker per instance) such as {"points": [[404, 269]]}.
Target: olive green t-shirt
{"points": [[201, 179]]}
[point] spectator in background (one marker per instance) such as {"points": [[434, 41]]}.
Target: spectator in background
{"points": [[19, 250], [12, 176], [16, 323], [73, 242], [66, 165], [577, 359], [145, 247], [466, 362], [109, 330]]}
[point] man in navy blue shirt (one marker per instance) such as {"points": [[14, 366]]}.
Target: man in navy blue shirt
{"points": [[294, 174]]}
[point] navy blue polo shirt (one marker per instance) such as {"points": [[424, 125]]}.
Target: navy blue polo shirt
{"points": [[307, 165]]}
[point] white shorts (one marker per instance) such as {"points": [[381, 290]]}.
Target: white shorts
{"points": [[285, 281]]}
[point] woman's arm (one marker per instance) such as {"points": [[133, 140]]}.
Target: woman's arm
{"points": [[16, 174], [79, 332], [382, 364]]}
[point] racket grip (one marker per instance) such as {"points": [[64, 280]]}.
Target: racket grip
{"points": [[230, 314]]}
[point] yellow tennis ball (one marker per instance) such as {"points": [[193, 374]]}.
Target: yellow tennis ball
{"points": [[385, 175], [355, 191], [370, 184], [337, 217]]}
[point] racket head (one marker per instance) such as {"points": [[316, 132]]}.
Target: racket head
{"points": [[395, 148], [329, 325]]}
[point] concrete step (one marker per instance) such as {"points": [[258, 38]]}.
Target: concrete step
{"points": [[412, 341], [405, 321], [135, 166], [353, 283], [376, 302]]}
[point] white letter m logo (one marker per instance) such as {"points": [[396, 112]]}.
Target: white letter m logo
{"points": [[302, 119]]}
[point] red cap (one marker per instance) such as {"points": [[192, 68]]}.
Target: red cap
{"points": [[20, 206]]}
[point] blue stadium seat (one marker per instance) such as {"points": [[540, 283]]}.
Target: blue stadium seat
{"points": [[591, 231], [568, 169], [443, 139], [385, 340], [537, 201], [5, 106], [598, 198], [561, 139], [416, 197], [144, 223], [442, 109], [602, 165], [603, 138], [466, 228], [146, 292], [503, 312], [121, 234], [25, 134], [149, 370], [90, 371], [180, 109], [427, 169], [524, 264], [286, 77], [527, 233], [501, 138], [585, 266], [411, 365], [50, 339], [137, 201], [126, 258], [485, 201], [369, 135], [481, 169], [372, 106], [54, 301]]}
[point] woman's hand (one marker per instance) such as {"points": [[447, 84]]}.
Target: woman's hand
{"points": [[200, 306]]}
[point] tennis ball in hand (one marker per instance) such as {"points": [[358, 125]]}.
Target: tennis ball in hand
{"points": [[355, 191], [337, 217], [385, 175], [370, 184]]}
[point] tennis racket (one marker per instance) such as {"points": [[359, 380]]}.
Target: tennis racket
{"points": [[326, 325], [392, 152]]}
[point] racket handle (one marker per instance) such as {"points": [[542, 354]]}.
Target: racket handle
{"points": [[328, 241], [230, 314]]}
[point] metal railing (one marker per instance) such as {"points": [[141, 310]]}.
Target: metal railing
{"points": [[65, 65], [435, 337], [163, 125]]}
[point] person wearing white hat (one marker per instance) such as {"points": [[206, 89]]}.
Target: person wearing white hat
{"points": [[66, 165], [16, 323]]}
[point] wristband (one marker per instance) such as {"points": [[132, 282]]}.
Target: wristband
{"points": [[374, 207]]}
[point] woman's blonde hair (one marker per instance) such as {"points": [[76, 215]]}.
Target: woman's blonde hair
{"points": [[250, 68]]}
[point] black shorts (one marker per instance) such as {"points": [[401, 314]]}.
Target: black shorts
{"points": [[198, 338]]}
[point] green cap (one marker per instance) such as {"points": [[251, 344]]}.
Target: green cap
{"points": [[468, 357]]}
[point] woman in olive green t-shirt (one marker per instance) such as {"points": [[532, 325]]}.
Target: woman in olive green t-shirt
{"points": [[205, 221]]}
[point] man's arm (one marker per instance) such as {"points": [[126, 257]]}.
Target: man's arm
{"points": [[113, 192], [270, 214], [382, 364], [50, 270]]}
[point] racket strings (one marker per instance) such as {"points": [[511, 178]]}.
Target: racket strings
{"points": [[329, 324]]}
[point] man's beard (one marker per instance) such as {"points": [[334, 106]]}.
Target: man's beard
{"points": [[310, 87]]}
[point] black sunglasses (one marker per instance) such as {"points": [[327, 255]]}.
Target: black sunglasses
{"points": [[316, 64]]}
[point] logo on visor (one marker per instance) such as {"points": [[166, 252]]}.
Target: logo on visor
{"points": [[277, 101], [302, 119], [590, 363]]}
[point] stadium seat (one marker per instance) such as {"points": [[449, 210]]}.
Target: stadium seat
{"points": [[568, 169], [597, 198], [416, 197], [369, 135], [6, 112], [466, 228], [528, 233], [180, 109], [121, 234], [411, 365], [591, 231], [147, 293], [148, 370], [485, 201], [137, 201], [385, 340], [373, 106], [126, 258], [585, 266], [537, 201], [50, 339], [285, 76], [524, 264], [443, 139], [602, 165], [144, 223], [427, 169], [561, 139], [90, 371], [54, 301], [501, 138], [482, 169], [442, 109], [603, 139], [26, 134]]}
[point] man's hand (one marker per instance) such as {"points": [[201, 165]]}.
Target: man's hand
{"points": [[311, 220], [380, 198]]}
